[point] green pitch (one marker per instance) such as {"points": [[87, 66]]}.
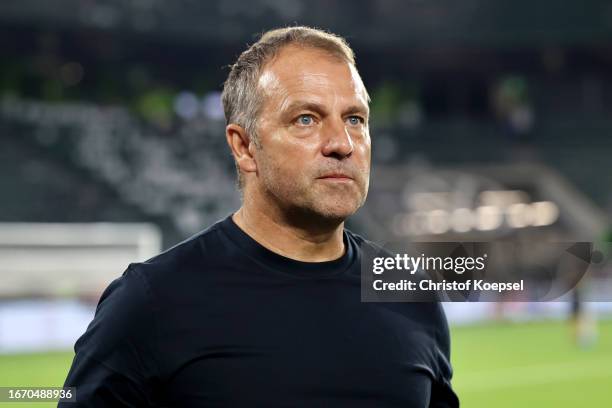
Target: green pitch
{"points": [[496, 365], [531, 365]]}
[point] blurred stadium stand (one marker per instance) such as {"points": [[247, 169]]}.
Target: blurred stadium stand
{"points": [[186, 177]]}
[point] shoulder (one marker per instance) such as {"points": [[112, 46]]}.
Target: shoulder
{"points": [[365, 245], [367, 251], [357, 238], [194, 254], [430, 314], [192, 249]]}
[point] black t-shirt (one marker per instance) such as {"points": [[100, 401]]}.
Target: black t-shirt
{"points": [[220, 321]]}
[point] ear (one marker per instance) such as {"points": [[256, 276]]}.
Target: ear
{"points": [[241, 146]]}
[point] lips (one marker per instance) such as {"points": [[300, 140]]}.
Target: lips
{"points": [[336, 176]]}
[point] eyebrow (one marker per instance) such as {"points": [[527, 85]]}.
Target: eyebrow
{"points": [[357, 109], [304, 105], [316, 107]]}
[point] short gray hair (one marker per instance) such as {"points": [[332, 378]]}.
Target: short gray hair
{"points": [[242, 99]]}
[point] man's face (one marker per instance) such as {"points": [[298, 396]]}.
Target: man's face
{"points": [[313, 130]]}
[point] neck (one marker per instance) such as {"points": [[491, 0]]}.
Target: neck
{"points": [[291, 235]]}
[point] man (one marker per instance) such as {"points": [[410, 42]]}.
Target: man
{"points": [[263, 308]]}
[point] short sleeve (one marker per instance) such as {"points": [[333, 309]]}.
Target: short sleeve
{"points": [[115, 359]]}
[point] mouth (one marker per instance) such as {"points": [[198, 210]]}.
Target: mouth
{"points": [[338, 177]]}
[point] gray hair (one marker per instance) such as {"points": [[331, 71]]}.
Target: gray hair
{"points": [[242, 99]]}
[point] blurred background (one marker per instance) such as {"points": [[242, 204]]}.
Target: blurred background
{"points": [[490, 121]]}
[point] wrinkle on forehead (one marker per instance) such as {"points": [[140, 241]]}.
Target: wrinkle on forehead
{"points": [[291, 80]]}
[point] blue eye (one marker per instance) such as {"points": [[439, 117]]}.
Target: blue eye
{"points": [[305, 120], [355, 120]]}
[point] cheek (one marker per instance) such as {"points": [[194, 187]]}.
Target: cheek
{"points": [[283, 169], [293, 156], [364, 149]]}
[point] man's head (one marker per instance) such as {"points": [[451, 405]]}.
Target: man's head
{"points": [[297, 123]]}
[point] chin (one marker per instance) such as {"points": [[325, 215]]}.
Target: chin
{"points": [[336, 211]]}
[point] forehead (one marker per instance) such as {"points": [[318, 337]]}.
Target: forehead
{"points": [[303, 71]]}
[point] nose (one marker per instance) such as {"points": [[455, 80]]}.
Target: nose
{"points": [[337, 140]]}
